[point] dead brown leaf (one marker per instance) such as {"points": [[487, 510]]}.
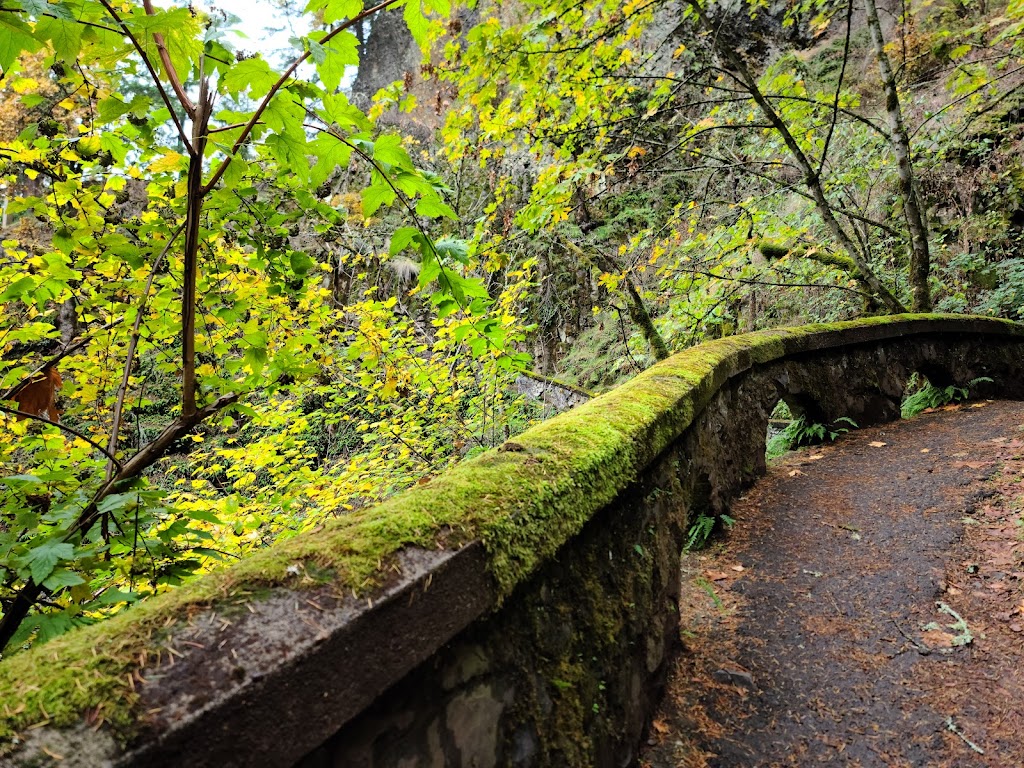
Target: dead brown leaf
{"points": [[936, 638]]}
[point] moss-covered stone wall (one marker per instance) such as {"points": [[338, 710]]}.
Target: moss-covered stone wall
{"points": [[516, 611]]}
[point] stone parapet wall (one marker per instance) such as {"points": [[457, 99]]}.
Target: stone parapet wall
{"points": [[516, 611]]}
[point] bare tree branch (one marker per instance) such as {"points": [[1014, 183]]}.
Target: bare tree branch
{"points": [[152, 72], [285, 76], [133, 343], [172, 73]]}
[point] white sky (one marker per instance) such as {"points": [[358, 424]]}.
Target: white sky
{"points": [[257, 18]]}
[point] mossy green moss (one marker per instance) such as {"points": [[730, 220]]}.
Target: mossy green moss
{"points": [[773, 251], [523, 503]]}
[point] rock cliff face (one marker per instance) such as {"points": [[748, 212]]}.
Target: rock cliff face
{"points": [[387, 52]]}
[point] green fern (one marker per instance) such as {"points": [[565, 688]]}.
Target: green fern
{"points": [[799, 432], [702, 528], [930, 396]]}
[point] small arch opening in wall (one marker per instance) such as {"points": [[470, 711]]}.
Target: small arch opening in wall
{"points": [[704, 523], [796, 422], [778, 437], [931, 387]]}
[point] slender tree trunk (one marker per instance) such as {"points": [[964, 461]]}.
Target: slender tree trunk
{"points": [[639, 314], [67, 321], [18, 610], [188, 293], [193, 214], [900, 142], [811, 178]]}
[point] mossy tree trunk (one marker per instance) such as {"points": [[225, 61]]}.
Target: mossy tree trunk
{"points": [[639, 314], [899, 140]]}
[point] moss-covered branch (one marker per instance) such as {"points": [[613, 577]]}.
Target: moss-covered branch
{"points": [[557, 383], [774, 251]]}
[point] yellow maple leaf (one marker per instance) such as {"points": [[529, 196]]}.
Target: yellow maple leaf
{"points": [[172, 161]]}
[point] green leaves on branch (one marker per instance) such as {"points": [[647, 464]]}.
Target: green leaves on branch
{"points": [[154, 256]]}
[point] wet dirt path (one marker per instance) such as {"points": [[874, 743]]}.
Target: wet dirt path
{"points": [[867, 608]]}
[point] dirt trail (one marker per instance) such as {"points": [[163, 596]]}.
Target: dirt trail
{"points": [[867, 609]]}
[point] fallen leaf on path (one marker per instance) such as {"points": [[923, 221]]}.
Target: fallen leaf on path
{"points": [[936, 638], [979, 405], [738, 568], [716, 575], [926, 450], [816, 456], [877, 444], [795, 472]]}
